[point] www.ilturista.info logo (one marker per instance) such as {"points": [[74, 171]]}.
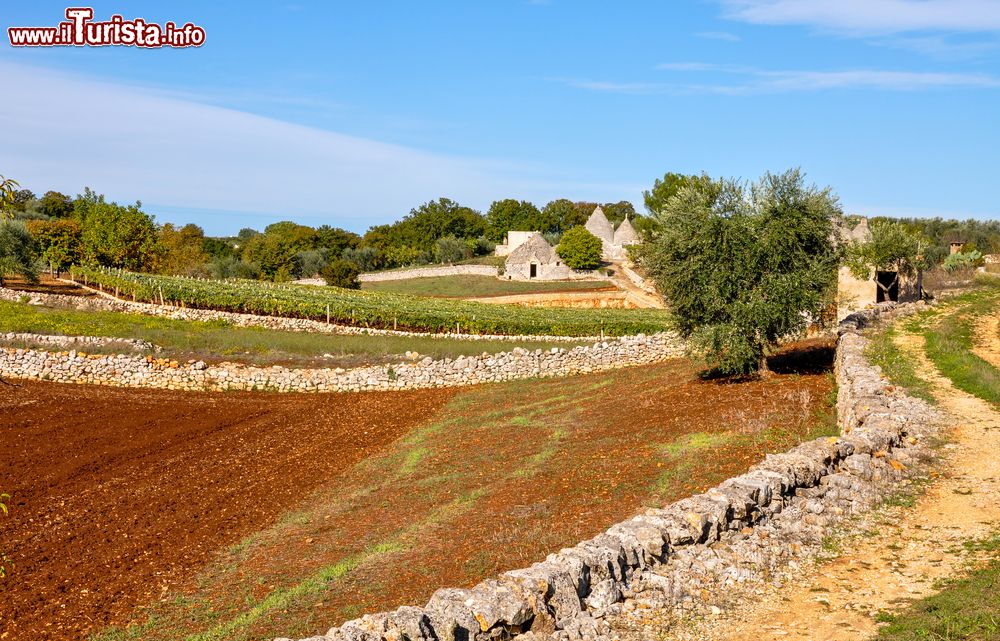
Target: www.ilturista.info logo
{"points": [[79, 30]]}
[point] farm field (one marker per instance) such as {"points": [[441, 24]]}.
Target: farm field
{"points": [[252, 515], [218, 341], [466, 286], [375, 309]]}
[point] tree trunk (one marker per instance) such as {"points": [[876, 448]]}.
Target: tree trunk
{"points": [[763, 371]]}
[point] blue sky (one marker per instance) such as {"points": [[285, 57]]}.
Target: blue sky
{"points": [[351, 113]]}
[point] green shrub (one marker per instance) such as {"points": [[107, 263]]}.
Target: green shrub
{"points": [[451, 250], [341, 273], [962, 260], [580, 249]]}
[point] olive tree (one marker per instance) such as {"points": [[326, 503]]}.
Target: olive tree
{"points": [[744, 266], [892, 247], [8, 196], [16, 248]]}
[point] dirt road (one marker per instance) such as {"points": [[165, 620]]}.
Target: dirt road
{"points": [[986, 344], [912, 547]]}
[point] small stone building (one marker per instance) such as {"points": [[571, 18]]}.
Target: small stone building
{"points": [[854, 294], [536, 259], [613, 241], [514, 240]]}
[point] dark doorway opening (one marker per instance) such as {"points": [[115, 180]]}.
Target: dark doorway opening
{"points": [[888, 287], [534, 271]]}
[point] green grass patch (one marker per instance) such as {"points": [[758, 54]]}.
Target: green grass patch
{"points": [[217, 340], [468, 286], [372, 309], [280, 599], [949, 340], [967, 609], [896, 365]]}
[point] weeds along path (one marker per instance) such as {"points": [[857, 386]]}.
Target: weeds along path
{"points": [[913, 544], [987, 339]]}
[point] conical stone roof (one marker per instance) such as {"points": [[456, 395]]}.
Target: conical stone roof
{"points": [[536, 249], [599, 226], [626, 234]]}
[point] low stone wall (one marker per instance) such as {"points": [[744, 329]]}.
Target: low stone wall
{"points": [[108, 303], [741, 530], [77, 342], [125, 370], [594, 299], [638, 280], [429, 272]]}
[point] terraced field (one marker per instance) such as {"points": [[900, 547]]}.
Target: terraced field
{"points": [[145, 514], [381, 310]]}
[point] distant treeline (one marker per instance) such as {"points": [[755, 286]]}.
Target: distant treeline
{"points": [[88, 229]]}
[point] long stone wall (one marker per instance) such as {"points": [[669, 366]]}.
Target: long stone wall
{"points": [[743, 530], [77, 342], [429, 272], [128, 370]]}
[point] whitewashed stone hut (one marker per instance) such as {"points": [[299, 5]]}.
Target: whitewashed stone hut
{"points": [[855, 294], [535, 259]]}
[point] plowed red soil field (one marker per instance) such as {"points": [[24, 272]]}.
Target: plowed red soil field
{"points": [[246, 516], [120, 494]]}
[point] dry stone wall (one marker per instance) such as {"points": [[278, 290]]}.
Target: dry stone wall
{"points": [[77, 342], [129, 370], [429, 272], [742, 530]]}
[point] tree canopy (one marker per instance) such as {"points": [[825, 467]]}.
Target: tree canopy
{"points": [[666, 188], [115, 235], [580, 249], [507, 214], [893, 246], [16, 251], [8, 197], [58, 242], [744, 266]]}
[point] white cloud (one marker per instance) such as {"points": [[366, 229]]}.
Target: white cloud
{"points": [[740, 80], [863, 78], [871, 16], [65, 132], [697, 66], [718, 35]]}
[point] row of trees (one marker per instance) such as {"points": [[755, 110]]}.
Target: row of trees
{"points": [[58, 231]]}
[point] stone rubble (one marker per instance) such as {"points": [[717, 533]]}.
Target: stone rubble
{"points": [[684, 555]]}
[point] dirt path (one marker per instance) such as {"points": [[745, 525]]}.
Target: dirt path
{"points": [[638, 295], [987, 339], [913, 547]]}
